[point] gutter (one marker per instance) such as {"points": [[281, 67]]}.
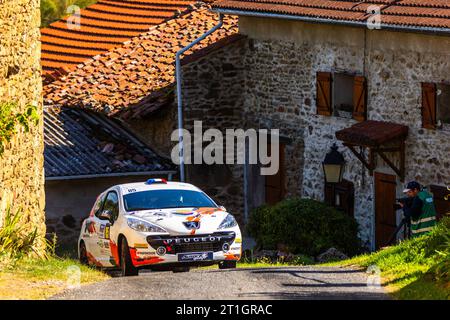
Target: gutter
{"points": [[111, 175], [432, 30], [179, 98]]}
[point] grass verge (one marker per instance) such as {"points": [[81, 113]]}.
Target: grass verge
{"points": [[30, 278], [415, 269]]}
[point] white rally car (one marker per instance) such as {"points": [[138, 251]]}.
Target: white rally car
{"points": [[159, 225]]}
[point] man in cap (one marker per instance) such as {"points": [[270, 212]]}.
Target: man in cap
{"points": [[422, 211]]}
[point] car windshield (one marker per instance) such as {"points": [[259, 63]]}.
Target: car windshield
{"points": [[164, 199]]}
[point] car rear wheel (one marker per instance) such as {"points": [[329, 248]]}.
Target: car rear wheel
{"points": [[227, 264], [126, 265], [83, 254]]}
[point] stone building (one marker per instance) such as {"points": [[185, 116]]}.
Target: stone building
{"points": [[317, 70], [21, 164]]}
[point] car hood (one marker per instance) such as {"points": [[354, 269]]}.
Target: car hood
{"points": [[184, 221]]}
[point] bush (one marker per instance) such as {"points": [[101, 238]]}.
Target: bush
{"points": [[304, 226]]}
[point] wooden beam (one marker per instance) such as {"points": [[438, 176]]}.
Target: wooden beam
{"points": [[390, 163], [370, 163], [360, 157]]}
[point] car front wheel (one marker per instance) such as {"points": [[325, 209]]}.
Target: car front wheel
{"points": [[126, 265], [227, 264]]}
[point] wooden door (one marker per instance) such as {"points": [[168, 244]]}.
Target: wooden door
{"points": [[385, 216], [274, 185], [440, 193]]}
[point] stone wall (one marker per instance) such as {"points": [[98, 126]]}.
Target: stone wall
{"points": [[224, 91], [272, 96], [21, 169], [212, 92], [156, 129]]}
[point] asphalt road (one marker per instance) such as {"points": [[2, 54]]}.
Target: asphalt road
{"points": [[262, 283]]}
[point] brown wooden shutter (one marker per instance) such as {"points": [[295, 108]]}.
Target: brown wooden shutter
{"points": [[359, 98], [429, 105], [323, 99]]}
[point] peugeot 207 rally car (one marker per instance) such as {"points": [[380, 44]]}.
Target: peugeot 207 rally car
{"points": [[160, 225]]}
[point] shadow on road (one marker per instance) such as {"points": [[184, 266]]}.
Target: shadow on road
{"points": [[326, 285], [315, 271], [298, 295]]}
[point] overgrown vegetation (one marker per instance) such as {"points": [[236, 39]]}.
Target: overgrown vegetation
{"points": [[16, 240], [53, 10], [10, 119], [29, 274], [418, 268], [304, 226], [32, 278]]}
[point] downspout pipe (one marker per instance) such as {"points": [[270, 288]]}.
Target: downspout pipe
{"points": [[179, 98]]}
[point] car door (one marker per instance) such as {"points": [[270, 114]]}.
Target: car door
{"points": [[103, 227], [89, 233]]}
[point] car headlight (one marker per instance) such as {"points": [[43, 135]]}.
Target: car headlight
{"points": [[228, 222], [143, 226]]}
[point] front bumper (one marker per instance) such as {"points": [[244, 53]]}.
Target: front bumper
{"points": [[219, 246]]}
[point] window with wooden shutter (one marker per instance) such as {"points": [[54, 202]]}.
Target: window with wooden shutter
{"points": [[342, 99], [323, 99], [429, 105], [359, 98]]}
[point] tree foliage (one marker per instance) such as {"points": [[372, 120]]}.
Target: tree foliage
{"points": [[53, 10]]}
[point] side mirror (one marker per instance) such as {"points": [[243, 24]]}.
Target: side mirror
{"points": [[105, 215], [222, 208]]}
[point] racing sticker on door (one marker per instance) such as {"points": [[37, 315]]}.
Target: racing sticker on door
{"points": [[104, 230]]}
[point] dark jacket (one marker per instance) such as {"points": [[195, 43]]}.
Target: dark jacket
{"points": [[415, 210]]}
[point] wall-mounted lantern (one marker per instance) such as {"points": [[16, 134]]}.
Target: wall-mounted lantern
{"points": [[333, 165]]}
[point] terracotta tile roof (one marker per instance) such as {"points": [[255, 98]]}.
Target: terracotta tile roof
{"points": [[80, 143], [138, 77], [424, 15], [103, 25]]}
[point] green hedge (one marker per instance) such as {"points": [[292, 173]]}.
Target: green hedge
{"points": [[304, 226]]}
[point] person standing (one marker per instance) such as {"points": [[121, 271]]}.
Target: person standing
{"points": [[422, 211]]}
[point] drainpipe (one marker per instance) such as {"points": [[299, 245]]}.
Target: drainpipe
{"points": [[179, 99]]}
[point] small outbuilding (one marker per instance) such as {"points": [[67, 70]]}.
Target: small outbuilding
{"points": [[86, 153]]}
